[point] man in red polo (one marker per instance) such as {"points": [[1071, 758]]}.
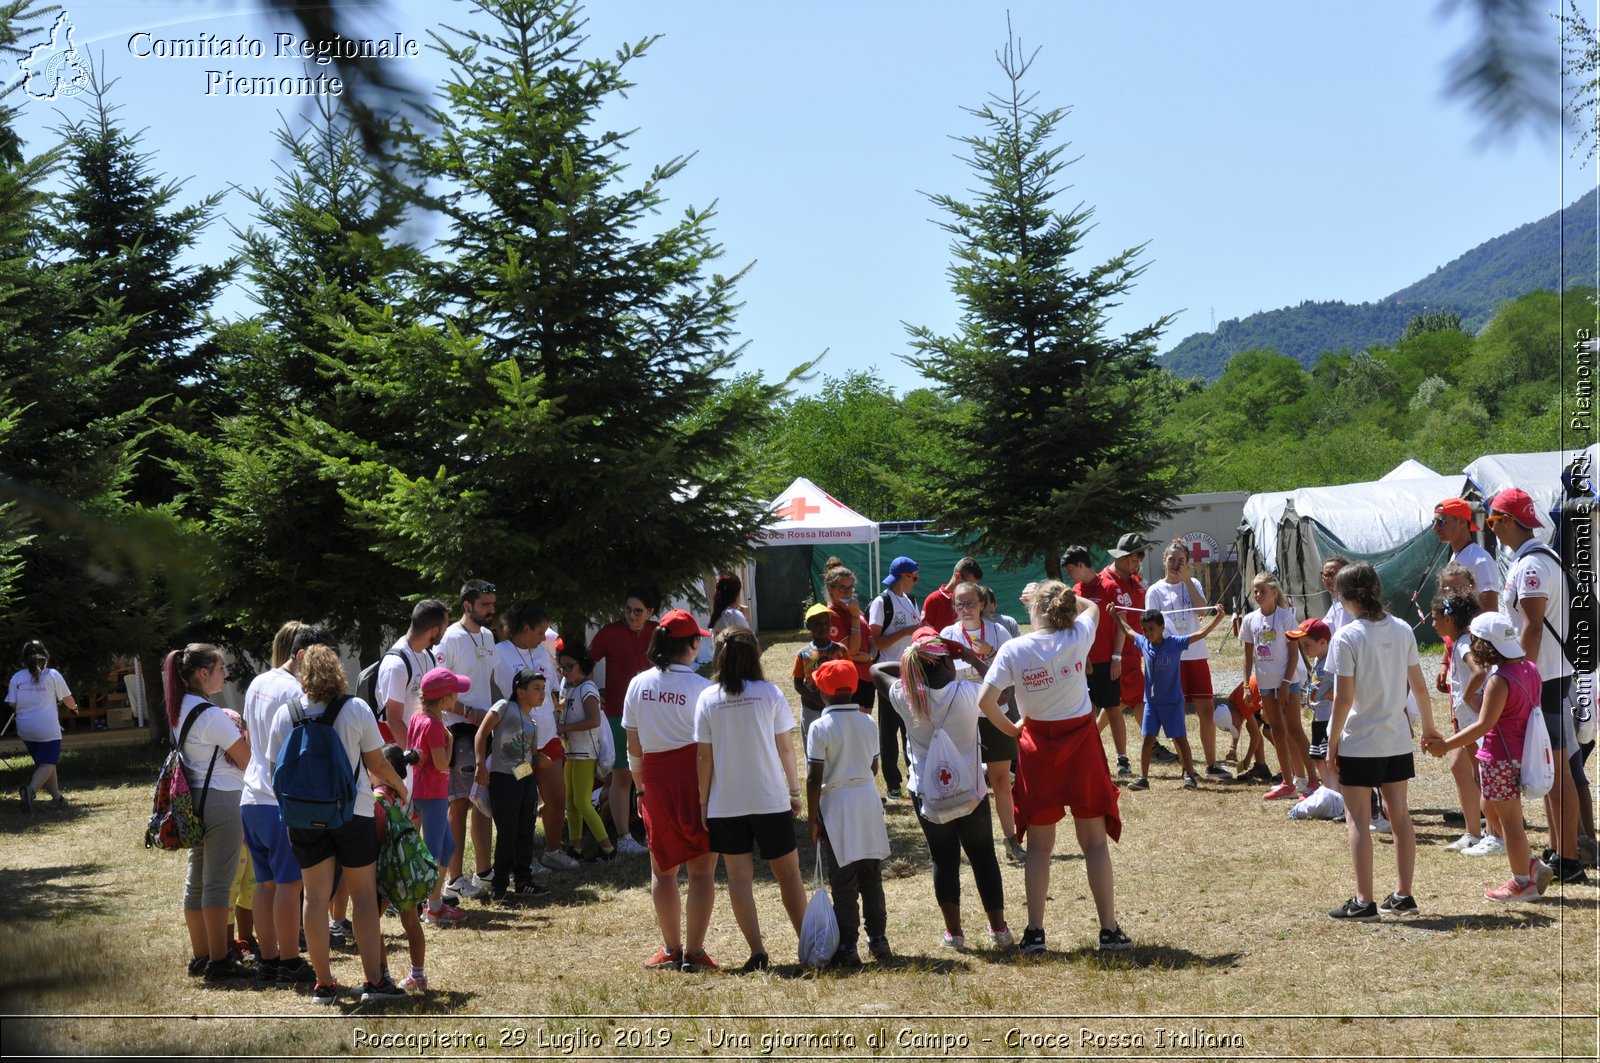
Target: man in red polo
{"points": [[1123, 597]]}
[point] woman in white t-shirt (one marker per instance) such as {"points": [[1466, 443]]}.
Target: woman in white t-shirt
{"points": [[1183, 602], [579, 726], [1271, 656], [214, 752], [1374, 663], [749, 783], [1061, 764], [658, 718], [982, 638], [32, 696], [727, 604]]}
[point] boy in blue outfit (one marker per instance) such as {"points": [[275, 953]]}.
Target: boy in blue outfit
{"points": [[1163, 692]]}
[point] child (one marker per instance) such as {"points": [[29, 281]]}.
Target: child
{"points": [[1269, 658], [818, 652], [244, 916], [1243, 708], [991, 612], [1509, 694], [1163, 691], [508, 762], [1453, 613], [388, 804], [845, 813], [430, 782], [1311, 640], [580, 726]]}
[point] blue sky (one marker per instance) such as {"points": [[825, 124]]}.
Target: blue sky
{"points": [[1267, 153]]}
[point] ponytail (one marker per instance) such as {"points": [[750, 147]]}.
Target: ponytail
{"points": [[35, 658], [666, 648], [1359, 583], [177, 674]]}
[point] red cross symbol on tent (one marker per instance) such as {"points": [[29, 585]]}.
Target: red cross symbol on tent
{"points": [[796, 509]]}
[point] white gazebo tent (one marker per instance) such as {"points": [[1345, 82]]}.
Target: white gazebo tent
{"points": [[808, 516]]}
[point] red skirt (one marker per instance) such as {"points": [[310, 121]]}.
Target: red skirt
{"points": [[671, 806], [1061, 765]]}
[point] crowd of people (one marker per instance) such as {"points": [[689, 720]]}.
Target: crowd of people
{"points": [[481, 742]]}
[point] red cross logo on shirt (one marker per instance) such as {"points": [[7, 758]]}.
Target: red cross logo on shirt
{"points": [[796, 509]]}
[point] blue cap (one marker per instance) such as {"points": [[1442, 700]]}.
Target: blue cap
{"points": [[899, 567]]}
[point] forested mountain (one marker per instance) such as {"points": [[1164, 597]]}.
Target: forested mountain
{"points": [[1473, 285]]}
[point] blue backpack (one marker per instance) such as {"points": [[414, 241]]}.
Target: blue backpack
{"points": [[315, 784]]}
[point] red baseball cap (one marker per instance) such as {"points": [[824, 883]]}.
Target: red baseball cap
{"points": [[1515, 503], [441, 681], [836, 677], [1314, 629], [1457, 507], [680, 625]]}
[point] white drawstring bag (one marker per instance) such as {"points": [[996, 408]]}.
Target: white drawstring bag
{"points": [[819, 930]]}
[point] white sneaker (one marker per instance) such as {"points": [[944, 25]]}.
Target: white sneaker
{"points": [[1463, 843], [538, 869], [465, 887], [1380, 825], [1488, 845], [485, 883], [557, 860], [627, 844]]}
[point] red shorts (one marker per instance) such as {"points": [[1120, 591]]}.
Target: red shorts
{"points": [[555, 750], [671, 806], [1196, 679], [1133, 678], [1061, 764]]}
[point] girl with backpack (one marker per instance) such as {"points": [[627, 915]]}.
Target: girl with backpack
{"points": [[1060, 762], [745, 761], [508, 764], [427, 736], [32, 696], [1508, 693], [924, 690], [580, 727], [214, 751]]}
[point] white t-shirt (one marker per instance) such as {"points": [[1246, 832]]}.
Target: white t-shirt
{"points": [[1377, 656], [1460, 675], [357, 729], [731, 617], [953, 707], [584, 744], [214, 730], [1485, 573], [38, 719], [471, 655], [845, 742], [1045, 670], [394, 685], [660, 706], [905, 613], [1180, 604], [1337, 615], [742, 730], [1535, 574], [267, 692], [991, 632], [509, 659], [1275, 653]]}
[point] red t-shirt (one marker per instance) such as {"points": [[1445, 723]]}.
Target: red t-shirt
{"points": [[839, 624], [937, 610], [1098, 591], [425, 734], [624, 653], [1129, 595]]}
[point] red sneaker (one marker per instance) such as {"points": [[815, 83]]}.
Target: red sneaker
{"points": [[664, 959], [1280, 791]]}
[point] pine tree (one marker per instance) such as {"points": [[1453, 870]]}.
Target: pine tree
{"points": [[1051, 441]]}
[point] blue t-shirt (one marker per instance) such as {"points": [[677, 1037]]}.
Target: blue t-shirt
{"points": [[1163, 678]]}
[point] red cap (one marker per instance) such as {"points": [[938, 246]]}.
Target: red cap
{"points": [[441, 681], [1457, 507], [1314, 629], [836, 677], [680, 625], [924, 632], [1515, 503]]}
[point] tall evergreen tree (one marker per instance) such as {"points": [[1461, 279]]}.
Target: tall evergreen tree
{"points": [[1052, 442]]}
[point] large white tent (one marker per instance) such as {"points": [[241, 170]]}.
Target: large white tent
{"points": [[1538, 474], [809, 516]]}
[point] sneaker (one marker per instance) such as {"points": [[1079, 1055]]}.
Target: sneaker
{"points": [[299, 973], [556, 860], [1308, 789], [341, 932], [465, 887], [1589, 851], [1380, 825], [419, 982], [757, 962], [1355, 912], [1015, 851], [1513, 891], [1454, 819], [1280, 791], [58, 803], [1463, 843], [1217, 771], [324, 993], [227, 969], [1569, 871], [954, 942], [664, 959], [482, 881], [602, 856], [197, 965], [1113, 940], [1002, 938], [878, 948], [628, 845], [1488, 845], [1124, 770], [896, 793], [527, 891], [1191, 782], [1394, 904], [1540, 873], [27, 799], [694, 963], [447, 915], [1032, 940], [1139, 783], [534, 869], [845, 959], [381, 993], [267, 973], [1162, 755]]}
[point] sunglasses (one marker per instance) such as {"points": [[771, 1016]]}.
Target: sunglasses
{"points": [[1495, 518], [632, 611]]}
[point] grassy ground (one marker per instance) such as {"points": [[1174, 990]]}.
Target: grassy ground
{"points": [[1223, 896]]}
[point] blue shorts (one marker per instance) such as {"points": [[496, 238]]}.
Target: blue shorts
{"points": [[435, 815], [1168, 718], [268, 841], [44, 752]]}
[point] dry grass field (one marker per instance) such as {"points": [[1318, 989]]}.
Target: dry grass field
{"points": [[1224, 898]]}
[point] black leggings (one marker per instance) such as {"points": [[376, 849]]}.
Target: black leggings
{"points": [[974, 833], [512, 804], [891, 744]]}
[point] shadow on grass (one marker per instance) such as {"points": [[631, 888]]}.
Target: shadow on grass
{"points": [[1148, 957], [1510, 920], [54, 894], [45, 813]]}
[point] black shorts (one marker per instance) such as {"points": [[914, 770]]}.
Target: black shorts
{"points": [[866, 696], [1319, 739], [770, 833], [1104, 692], [996, 744], [354, 845], [1375, 771], [1553, 700]]}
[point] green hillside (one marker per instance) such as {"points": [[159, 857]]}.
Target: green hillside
{"points": [[1473, 285]]}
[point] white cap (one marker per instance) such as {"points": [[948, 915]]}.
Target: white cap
{"points": [[1496, 630], [1224, 717]]}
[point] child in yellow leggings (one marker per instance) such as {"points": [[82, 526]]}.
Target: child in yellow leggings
{"points": [[579, 728]]}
